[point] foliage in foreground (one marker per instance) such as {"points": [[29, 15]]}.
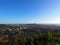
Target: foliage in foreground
{"points": [[47, 38]]}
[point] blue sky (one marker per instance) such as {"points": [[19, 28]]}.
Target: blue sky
{"points": [[30, 11]]}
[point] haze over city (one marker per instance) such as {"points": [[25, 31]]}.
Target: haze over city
{"points": [[29, 22], [29, 11]]}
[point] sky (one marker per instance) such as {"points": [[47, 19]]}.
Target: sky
{"points": [[29, 11]]}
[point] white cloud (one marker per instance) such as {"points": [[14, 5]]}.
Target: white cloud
{"points": [[47, 21]]}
